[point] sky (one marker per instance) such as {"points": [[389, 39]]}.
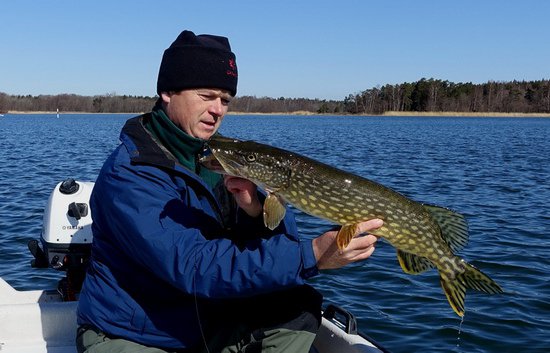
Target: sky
{"points": [[285, 48]]}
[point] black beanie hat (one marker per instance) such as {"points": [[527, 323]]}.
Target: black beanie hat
{"points": [[203, 61]]}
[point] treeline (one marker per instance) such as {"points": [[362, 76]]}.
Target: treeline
{"points": [[109, 103], [425, 95], [430, 95], [252, 104], [112, 103]]}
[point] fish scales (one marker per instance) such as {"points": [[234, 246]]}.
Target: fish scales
{"points": [[341, 186], [425, 236]]}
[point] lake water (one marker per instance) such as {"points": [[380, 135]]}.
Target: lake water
{"points": [[496, 171]]}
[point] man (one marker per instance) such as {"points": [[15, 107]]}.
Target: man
{"points": [[181, 260]]}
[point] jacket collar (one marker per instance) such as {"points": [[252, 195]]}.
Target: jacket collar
{"points": [[142, 146], [143, 149]]}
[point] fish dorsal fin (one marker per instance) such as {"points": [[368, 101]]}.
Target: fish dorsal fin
{"points": [[413, 264], [453, 225], [274, 211]]}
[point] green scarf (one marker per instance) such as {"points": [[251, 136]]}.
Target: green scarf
{"points": [[184, 147]]}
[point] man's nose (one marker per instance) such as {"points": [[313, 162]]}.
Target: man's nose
{"points": [[216, 107]]}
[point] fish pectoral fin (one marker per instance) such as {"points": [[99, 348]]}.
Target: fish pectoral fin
{"points": [[345, 234], [274, 211], [413, 264]]}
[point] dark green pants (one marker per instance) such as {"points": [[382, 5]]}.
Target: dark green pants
{"points": [[280, 322]]}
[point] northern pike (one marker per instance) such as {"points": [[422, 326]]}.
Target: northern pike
{"points": [[425, 236]]}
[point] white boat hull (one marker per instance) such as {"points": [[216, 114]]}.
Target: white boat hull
{"points": [[39, 321]]}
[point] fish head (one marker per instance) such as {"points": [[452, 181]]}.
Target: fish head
{"points": [[264, 165]]}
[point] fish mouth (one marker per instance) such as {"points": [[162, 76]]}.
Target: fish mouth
{"points": [[211, 162], [215, 146]]}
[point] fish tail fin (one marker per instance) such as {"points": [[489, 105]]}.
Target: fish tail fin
{"points": [[471, 278]]}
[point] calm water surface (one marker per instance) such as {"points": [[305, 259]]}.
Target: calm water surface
{"points": [[496, 171]]}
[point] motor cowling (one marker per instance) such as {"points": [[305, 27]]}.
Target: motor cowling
{"points": [[66, 237], [67, 225]]}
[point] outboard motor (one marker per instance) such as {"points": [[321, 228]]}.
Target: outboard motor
{"points": [[66, 237]]}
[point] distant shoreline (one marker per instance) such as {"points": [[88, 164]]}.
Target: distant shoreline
{"points": [[307, 113], [17, 112], [412, 114], [470, 114]]}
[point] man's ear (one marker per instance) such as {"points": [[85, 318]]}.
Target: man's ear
{"points": [[165, 96]]}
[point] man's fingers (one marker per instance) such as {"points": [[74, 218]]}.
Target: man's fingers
{"points": [[236, 184], [370, 225], [363, 243], [362, 255]]}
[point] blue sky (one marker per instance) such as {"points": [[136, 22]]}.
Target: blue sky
{"points": [[285, 48]]}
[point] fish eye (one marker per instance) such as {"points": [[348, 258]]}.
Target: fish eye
{"points": [[251, 157]]}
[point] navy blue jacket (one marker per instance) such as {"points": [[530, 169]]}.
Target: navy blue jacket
{"points": [[167, 256]]}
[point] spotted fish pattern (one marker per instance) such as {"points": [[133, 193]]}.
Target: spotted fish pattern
{"points": [[425, 236]]}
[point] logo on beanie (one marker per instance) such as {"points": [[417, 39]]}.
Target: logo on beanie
{"points": [[232, 68]]}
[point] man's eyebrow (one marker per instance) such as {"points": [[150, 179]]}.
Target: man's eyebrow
{"points": [[213, 92]]}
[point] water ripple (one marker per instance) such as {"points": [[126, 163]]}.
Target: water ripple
{"points": [[495, 171]]}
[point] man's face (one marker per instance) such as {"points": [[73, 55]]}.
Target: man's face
{"points": [[198, 112]]}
